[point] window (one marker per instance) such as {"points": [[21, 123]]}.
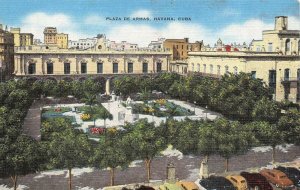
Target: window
{"points": [[204, 68], [158, 67], [272, 76], [176, 46], [257, 48], [192, 66], [31, 68], [219, 69], [49, 68], [235, 70], [270, 47], [198, 67], [145, 67], [67, 68], [288, 45], [286, 74], [83, 68], [99, 67], [182, 47], [130, 68], [115, 68], [298, 46], [298, 74], [253, 74], [211, 69]]}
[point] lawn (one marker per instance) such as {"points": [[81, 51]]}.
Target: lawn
{"points": [[161, 108]]}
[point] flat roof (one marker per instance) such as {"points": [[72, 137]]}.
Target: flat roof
{"points": [[239, 54]]}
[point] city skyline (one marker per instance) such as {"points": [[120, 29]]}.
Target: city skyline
{"points": [[229, 20]]}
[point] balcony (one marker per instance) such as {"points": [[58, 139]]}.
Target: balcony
{"points": [[290, 79]]}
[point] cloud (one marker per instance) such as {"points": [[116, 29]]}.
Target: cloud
{"points": [[231, 12], [143, 13], [147, 33], [294, 22], [36, 22], [94, 20], [244, 32]]}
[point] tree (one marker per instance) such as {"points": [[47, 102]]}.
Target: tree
{"points": [[289, 126], [145, 141], [233, 139], [267, 134], [207, 139], [104, 114], [69, 149], [111, 152], [187, 137], [20, 156], [266, 110]]}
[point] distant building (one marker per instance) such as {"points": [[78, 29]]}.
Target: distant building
{"points": [[156, 45], [280, 39], [21, 39], [37, 42], [62, 40], [181, 47], [83, 44], [220, 46], [122, 46], [6, 54], [51, 37]]}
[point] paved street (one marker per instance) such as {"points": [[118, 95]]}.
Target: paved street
{"points": [[187, 167]]}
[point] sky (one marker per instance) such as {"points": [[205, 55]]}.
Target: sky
{"points": [[231, 20]]}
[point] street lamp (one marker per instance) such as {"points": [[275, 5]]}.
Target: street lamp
{"points": [[195, 107], [206, 112]]}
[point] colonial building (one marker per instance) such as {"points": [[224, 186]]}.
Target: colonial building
{"points": [[6, 54], [280, 72], [180, 47], [52, 38], [279, 69], [21, 39], [122, 46], [83, 44], [280, 39], [157, 45], [70, 63]]}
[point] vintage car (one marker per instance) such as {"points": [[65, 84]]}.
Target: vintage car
{"points": [[187, 185], [256, 181], [215, 183], [292, 173], [239, 182], [277, 178]]}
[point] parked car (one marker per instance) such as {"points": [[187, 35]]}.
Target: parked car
{"points": [[256, 181], [215, 183], [292, 173], [239, 182], [278, 178], [187, 185]]}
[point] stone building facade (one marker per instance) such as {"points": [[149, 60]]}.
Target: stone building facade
{"points": [[280, 72], [279, 40], [21, 39], [6, 54], [181, 47], [83, 63], [51, 37]]}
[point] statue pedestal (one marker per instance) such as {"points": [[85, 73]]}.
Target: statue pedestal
{"points": [[203, 173]]}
